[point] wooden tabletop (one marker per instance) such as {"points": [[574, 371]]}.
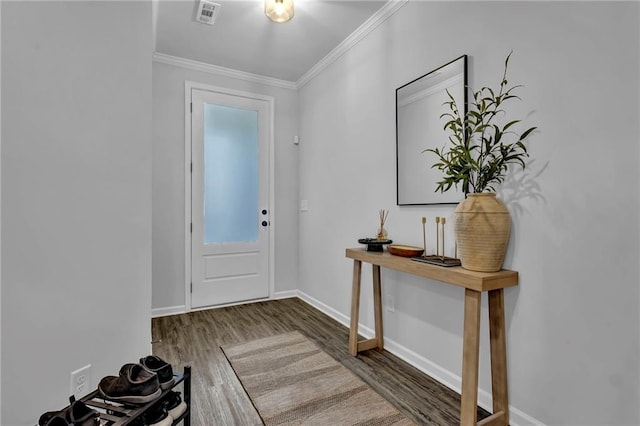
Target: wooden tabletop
{"points": [[456, 275]]}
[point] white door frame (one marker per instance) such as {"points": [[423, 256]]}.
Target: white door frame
{"points": [[188, 87]]}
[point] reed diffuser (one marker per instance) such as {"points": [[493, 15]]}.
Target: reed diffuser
{"points": [[382, 232]]}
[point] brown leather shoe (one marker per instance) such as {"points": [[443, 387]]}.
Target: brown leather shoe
{"points": [[161, 368], [135, 385]]}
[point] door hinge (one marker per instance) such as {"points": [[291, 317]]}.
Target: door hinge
{"points": [[191, 287], [191, 227], [190, 106], [191, 167]]}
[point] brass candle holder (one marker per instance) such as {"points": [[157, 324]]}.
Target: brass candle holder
{"points": [[438, 258]]}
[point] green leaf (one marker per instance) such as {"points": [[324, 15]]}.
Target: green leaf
{"points": [[527, 132], [509, 124]]}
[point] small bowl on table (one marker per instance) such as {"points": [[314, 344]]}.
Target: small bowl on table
{"points": [[404, 251]]}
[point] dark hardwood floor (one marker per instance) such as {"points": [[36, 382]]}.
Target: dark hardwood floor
{"points": [[218, 397]]}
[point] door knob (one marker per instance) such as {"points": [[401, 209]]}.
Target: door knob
{"points": [[265, 223], [264, 212]]}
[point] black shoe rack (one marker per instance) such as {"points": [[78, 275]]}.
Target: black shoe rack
{"points": [[118, 414]]}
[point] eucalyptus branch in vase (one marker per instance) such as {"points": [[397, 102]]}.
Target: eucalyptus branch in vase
{"points": [[483, 144], [479, 153]]}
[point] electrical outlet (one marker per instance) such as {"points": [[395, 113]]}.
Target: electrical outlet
{"points": [[81, 381], [389, 302]]}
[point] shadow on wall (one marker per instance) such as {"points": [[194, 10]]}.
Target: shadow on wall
{"points": [[522, 185]]}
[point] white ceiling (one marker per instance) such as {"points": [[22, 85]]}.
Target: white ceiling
{"points": [[244, 39]]}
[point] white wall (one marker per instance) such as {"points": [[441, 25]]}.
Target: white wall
{"points": [[169, 181], [573, 322], [76, 196]]}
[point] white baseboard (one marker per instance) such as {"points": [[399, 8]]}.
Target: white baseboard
{"points": [[336, 315], [284, 294], [171, 310], [182, 309], [437, 372]]}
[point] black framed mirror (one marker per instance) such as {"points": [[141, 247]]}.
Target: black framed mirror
{"points": [[419, 105]]}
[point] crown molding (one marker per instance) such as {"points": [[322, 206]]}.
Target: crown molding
{"points": [[217, 70], [384, 13]]}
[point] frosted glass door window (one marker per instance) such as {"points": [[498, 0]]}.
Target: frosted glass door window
{"points": [[230, 174]]}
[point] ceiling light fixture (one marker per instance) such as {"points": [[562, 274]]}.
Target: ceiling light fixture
{"points": [[278, 10]]}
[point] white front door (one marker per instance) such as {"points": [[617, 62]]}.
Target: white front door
{"points": [[229, 198]]}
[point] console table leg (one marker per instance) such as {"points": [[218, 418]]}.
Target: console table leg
{"points": [[470, 356], [355, 307], [498, 354], [377, 306]]}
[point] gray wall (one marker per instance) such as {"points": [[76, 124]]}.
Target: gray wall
{"points": [[76, 196], [169, 181], [573, 322]]}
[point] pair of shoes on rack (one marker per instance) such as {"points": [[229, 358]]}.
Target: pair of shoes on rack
{"points": [[76, 414], [138, 383], [166, 411]]}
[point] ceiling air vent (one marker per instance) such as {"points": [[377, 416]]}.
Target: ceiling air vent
{"points": [[207, 12]]}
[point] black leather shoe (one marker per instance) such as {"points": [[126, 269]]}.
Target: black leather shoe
{"points": [[57, 421], [174, 404], [78, 414], [157, 415]]}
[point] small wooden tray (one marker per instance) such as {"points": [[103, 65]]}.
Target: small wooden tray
{"points": [[404, 251]]}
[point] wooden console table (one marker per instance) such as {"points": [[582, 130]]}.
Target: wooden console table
{"points": [[474, 283]]}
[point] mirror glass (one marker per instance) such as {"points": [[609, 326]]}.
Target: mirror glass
{"points": [[419, 105]]}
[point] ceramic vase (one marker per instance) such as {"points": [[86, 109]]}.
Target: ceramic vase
{"points": [[482, 227]]}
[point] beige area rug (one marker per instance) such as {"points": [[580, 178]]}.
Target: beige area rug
{"points": [[292, 382]]}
